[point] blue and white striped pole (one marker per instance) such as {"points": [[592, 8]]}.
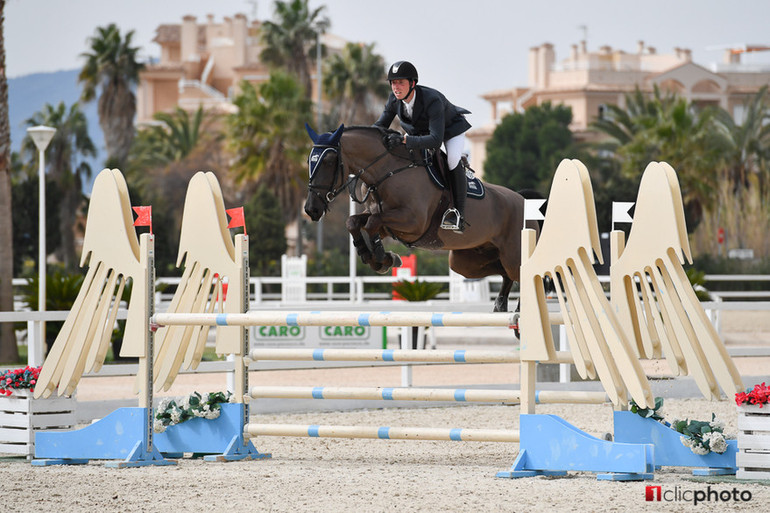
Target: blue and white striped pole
{"points": [[383, 432], [318, 318]]}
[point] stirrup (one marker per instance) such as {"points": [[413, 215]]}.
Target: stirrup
{"points": [[452, 220]]}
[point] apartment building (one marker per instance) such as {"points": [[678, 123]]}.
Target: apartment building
{"points": [[588, 81], [204, 63]]}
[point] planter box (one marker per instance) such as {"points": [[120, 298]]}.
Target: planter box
{"points": [[21, 416], [753, 458]]}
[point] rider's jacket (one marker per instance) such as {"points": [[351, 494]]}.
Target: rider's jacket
{"points": [[434, 119]]}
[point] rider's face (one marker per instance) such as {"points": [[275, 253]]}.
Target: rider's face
{"points": [[400, 88]]}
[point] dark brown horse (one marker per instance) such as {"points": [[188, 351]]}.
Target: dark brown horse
{"points": [[401, 201]]}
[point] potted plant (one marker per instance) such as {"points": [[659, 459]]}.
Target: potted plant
{"points": [[417, 291], [21, 415], [753, 458]]}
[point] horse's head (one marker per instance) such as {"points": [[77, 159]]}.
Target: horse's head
{"points": [[325, 169]]}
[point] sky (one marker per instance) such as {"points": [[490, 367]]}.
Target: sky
{"points": [[463, 48]]}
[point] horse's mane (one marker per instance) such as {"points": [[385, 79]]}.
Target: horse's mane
{"points": [[377, 131], [373, 128]]}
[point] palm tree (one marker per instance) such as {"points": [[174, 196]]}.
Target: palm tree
{"points": [[291, 40], [623, 124], [269, 140], [666, 128], [163, 158], [9, 352], [66, 166], [111, 66], [748, 143], [355, 81], [171, 138]]}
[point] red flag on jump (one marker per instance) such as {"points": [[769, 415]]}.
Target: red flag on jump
{"points": [[237, 218], [143, 217]]}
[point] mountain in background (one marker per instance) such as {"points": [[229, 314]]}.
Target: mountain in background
{"points": [[29, 94]]}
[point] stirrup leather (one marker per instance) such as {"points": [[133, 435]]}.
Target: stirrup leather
{"points": [[451, 220]]}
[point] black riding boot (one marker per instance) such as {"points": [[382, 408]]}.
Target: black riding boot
{"points": [[454, 218]]}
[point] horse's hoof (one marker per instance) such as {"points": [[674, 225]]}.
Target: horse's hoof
{"points": [[515, 326], [396, 260]]}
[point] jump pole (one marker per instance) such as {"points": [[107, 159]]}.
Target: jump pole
{"points": [[384, 432], [424, 394], [317, 318]]}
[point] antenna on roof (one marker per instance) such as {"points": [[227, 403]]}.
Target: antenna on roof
{"points": [[584, 28], [253, 8]]}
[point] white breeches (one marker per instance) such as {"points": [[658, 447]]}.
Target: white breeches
{"points": [[454, 150]]}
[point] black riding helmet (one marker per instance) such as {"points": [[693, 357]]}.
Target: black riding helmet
{"points": [[402, 69]]}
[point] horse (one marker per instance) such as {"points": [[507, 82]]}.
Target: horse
{"points": [[401, 201]]}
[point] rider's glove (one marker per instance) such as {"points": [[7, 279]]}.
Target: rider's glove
{"points": [[393, 140]]}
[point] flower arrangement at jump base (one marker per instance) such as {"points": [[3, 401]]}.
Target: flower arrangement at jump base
{"points": [[18, 379], [175, 411], [702, 437], [759, 395]]}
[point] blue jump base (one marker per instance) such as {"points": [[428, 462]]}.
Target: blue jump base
{"points": [[669, 451], [122, 435], [219, 439], [550, 446]]}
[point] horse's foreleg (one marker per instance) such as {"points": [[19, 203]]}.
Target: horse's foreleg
{"points": [[501, 302], [383, 260], [355, 224]]}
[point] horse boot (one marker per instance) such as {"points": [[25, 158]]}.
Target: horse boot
{"points": [[454, 218]]}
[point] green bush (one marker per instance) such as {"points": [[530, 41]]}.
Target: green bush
{"points": [[62, 289], [710, 264], [418, 290]]}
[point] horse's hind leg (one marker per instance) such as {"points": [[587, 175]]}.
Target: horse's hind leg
{"points": [[501, 301]]}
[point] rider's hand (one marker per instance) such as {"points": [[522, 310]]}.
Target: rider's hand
{"points": [[393, 140]]}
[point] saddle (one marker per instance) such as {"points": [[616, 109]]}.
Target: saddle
{"points": [[438, 169]]}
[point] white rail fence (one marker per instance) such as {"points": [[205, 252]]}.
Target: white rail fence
{"points": [[467, 295]]}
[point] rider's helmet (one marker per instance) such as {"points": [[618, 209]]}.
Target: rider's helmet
{"points": [[402, 69]]}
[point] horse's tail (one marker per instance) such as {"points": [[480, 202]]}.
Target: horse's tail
{"points": [[533, 194]]}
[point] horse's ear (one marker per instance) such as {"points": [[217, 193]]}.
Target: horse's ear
{"points": [[337, 134], [311, 133]]}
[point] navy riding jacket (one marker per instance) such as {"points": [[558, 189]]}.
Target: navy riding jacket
{"points": [[434, 119]]}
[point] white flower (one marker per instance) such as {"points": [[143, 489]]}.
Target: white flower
{"points": [[158, 426], [699, 449], [687, 441], [174, 411], [717, 425], [716, 441]]}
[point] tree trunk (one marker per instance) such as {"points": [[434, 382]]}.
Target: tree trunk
{"points": [[9, 352]]}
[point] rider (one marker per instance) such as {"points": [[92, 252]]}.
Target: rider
{"points": [[429, 119]]}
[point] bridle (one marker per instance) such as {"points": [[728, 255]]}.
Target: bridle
{"points": [[324, 193]]}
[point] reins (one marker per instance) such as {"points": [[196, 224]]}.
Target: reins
{"points": [[371, 188]]}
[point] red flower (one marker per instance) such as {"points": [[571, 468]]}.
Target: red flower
{"points": [[759, 395]]}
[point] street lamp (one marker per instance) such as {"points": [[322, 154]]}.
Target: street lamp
{"points": [[42, 136]]}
